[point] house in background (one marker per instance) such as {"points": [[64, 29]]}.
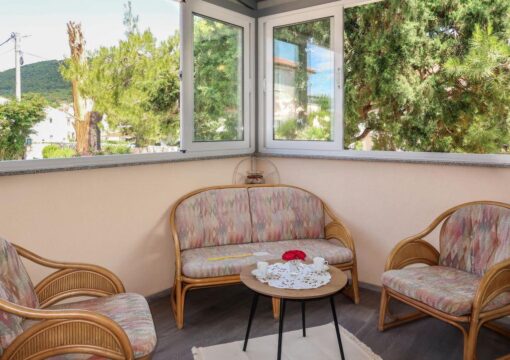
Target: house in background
{"points": [[56, 128]]}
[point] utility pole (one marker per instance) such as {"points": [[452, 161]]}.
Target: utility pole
{"points": [[17, 62]]}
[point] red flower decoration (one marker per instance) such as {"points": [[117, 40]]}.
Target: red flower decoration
{"points": [[294, 255]]}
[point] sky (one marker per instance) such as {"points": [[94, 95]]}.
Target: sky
{"points": [[319, 59], [44, 24]]}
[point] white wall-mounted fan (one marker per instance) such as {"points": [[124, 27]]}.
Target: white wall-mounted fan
{"points": [[255, 170]]}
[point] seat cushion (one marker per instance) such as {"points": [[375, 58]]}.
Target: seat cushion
{"points": [[445, 289], [207, 262], [130, 311], [213, 218], [15, 287], [285, 213], [476, 237]]}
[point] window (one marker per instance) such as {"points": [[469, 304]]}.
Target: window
{"points": [[301, 72], [387, 79], [437, 82], [218, 87], [303, 85], [144, 78], [125, 67], [218, 80], [350, 78]]}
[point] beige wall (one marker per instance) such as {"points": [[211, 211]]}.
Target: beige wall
{"points": [[382, 203], [117, 217]]}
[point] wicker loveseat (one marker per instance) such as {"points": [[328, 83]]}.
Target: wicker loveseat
{"points": [[111, 325], [467, 282], [219, 230]]}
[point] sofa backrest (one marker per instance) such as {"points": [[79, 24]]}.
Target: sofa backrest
{"points": [[214, 217], [475, 237], [15, 287], [285, 213]]}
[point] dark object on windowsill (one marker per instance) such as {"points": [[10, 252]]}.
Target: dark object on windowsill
{"points": [[255, 178]]}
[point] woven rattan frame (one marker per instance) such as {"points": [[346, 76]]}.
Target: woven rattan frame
{"points": [[335, 229], [415, 250], [60, 332]]}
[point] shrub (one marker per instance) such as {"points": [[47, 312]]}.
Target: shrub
{"points": [[116, 149], [54, 151]]}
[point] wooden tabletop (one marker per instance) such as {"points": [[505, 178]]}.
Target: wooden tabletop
{"points": [[337, 283]]}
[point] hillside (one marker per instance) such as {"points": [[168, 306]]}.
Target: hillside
{"points": [[42, 77]]}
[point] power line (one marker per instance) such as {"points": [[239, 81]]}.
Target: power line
{"points": [[9, 39]]}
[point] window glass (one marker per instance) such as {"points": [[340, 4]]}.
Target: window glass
{"points": [[96, 78], [218, 80], [423, 78], [303, 81]]}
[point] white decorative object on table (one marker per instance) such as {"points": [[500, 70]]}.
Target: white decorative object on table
{"points": [[319, 263], [294, 275]]}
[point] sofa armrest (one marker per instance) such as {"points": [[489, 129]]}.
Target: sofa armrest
{"points": [[72, 280], [412, 251], [66, 331], [337, 230], [495, 282]]}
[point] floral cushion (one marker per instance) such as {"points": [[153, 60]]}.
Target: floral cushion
{"points": [[206, 262], [130, 311], [214, 217], [10, 325], [15, 287], [446, 289], [476, 237], [285, 213]]}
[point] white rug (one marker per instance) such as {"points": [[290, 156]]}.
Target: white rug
{"points": [[320, 343]]}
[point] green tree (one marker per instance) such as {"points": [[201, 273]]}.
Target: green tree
{"points": [[429, 75], [135, 84], [16, 122], [217, 58]]}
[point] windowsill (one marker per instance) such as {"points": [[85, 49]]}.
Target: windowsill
{"points": [[21, 167], [498, 161]]}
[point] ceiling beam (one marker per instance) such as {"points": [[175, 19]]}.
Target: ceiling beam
{"points": [[252, 4]]}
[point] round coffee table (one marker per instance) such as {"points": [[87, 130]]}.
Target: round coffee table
{"points": [[337, 283]]}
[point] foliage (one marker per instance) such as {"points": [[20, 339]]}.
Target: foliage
{"points": [[54, 151], [312, 119], [42, 78], [218, 84], [16, 122], [116, 149], [315, 127], [429, 75], [135, 84]]}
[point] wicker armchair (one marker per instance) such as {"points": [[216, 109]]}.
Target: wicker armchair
{"points": [[112, 325], [467, 282]]}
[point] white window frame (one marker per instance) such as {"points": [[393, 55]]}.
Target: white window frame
{"points": [[202, 8], [266, 88], [267, 145]]}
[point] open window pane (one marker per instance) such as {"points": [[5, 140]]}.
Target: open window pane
{"points": [[303, 81], [218, 80], [435, 82], [100, 78]]}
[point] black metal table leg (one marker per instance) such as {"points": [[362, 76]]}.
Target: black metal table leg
{"points": [[333, 310], [280, 328], [303, 317], [252, 313]]}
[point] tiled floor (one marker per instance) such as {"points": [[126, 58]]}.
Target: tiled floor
{"points": [[219, 315]]}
